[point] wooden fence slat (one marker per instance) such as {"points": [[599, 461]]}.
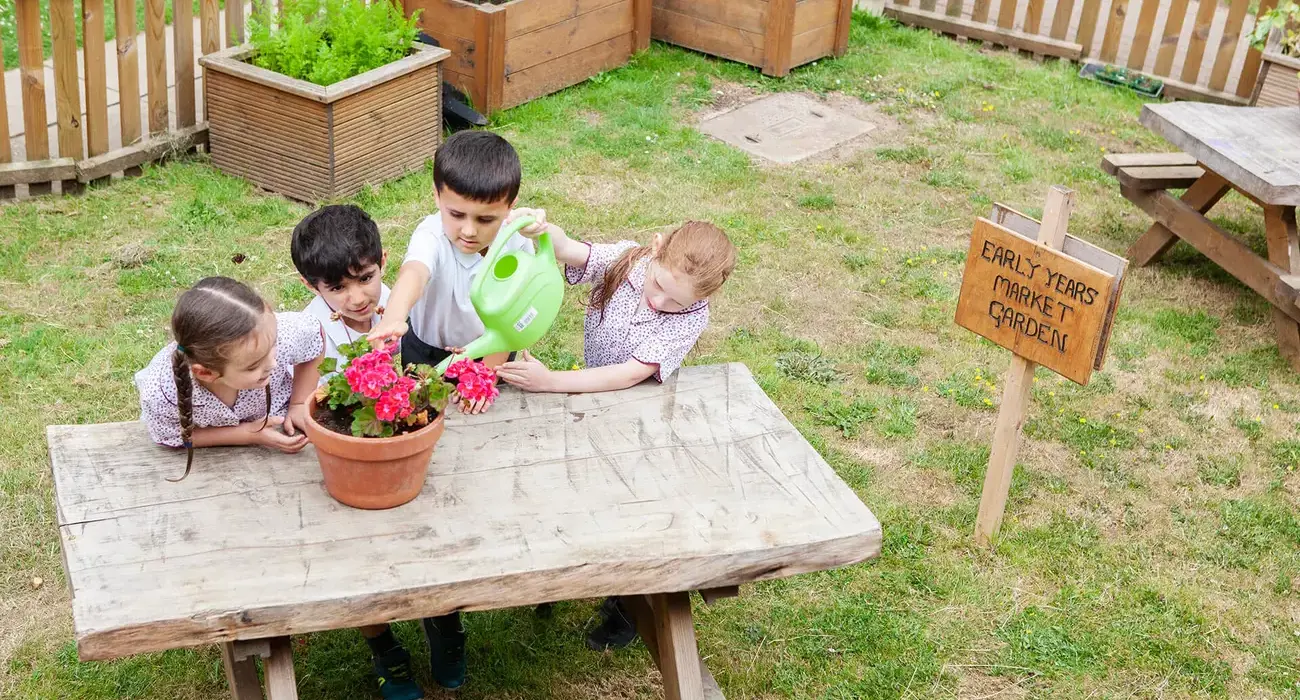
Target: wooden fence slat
{"points": [[96, 74], [954, 8], [155, 57], [1034, 17], [183, 43], [128, 72], [1114, 30], [980, 12], [928, 5], [1088, 25], [1007, 14], [1169, 39], [1061, 19], [209, 34], [234, 22], [1137, 54], [67, 92], [1228, 44], [31, 60], [6, 155], [1200, 32], [1250, 67]]}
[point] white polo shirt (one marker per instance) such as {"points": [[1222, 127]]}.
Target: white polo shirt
{"points": [[336, 333], [444, 315]]}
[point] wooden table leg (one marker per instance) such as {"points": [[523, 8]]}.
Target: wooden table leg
{"points": [[643, 614], [280, 681], [241, 674], [1284, 251], [1201, 196]]}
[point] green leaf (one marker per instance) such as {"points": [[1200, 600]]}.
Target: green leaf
{"points": [[366, 424], [328, 365]]}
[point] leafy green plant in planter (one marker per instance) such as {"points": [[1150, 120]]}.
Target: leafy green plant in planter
{"points": [[325, 41]]}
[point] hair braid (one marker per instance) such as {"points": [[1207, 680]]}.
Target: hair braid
{"points": [[185, 405]]}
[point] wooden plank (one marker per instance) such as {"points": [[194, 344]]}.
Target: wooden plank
{"points": [[1088, 25], [1173, 32], [154, 148], [241, 675], [715, 488], [32, 172], [1137, 55], [280, 681], [815, 14], [1200, 32], [813, 45], [1061, 19], [6, 154], [1007, 14], [953, 8], [128, 72], [183, 48], [358, 105], [748, 15], [1228, 44], [32, 76], [1112, 162], [678, 654], [1278, 85], [454, 17], [230, 62], [1236, 258], [567, 70], [844, 22], [641, 22], [1034, 17], [1167, 177], [1015, 394], [979, 12], [1201, 196], [234, 22], [983, 32], [1250, 67], [96, 74], [1114, 30], [778, 37], [1284, 252], [643, 616], [707, 37], [155, 56], [462, 51], [525, 17], [490, 38], [713, 595], [568, 36], [67, 92], [209, 27]]}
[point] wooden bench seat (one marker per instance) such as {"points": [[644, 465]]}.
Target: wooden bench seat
{"points": [[1153, 171]]}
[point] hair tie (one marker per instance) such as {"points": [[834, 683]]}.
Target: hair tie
{"points": [[187, 444], [182, 349]]}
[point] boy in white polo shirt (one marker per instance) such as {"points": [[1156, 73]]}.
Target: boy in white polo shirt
{"points": [[476, 176]]}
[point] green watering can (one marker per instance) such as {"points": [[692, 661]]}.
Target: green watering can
{"points": [[517, 296]]}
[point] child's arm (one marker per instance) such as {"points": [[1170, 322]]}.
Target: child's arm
{"points": [[408, 289], [567, 251], [531, 375], [251, 433], [305, 378]]}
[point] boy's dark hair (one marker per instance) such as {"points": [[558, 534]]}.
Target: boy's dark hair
{"points": [[333, 242], [479, 166]]}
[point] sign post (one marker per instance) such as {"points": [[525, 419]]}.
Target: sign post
{"points": [[1048, 297]]}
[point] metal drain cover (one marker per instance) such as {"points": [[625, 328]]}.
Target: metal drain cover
{"points": [[785, 128]]}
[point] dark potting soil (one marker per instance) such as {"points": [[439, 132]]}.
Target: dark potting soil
{"points": [[341, 421]]}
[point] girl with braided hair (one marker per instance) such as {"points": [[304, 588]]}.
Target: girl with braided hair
{"points": [[236, 374]]}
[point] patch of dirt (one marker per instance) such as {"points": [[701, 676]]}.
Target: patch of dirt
{"points": [[1223, 404], [131, 255]]}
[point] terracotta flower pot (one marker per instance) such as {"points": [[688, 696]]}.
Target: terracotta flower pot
{"points": [[373, 473]]}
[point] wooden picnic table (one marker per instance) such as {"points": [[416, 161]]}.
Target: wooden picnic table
{"points": [[699, 484], [1253, 150]]}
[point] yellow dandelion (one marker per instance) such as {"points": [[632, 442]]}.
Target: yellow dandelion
{"points": [[945, 273], [987, 402], [882, 280], [1168, 446], [1275, 407], [925, 388], [1141, 430], [901, 90], [1083, 452], [1050, 393], [1083, 420], [1258, 419], [1059, 411], [924, 248], [936, 93], [1202, 377]]}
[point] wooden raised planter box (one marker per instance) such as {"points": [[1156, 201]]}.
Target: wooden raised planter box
{"points": [[505, 55], [775, 35], [311, 142], [1278, 85]]}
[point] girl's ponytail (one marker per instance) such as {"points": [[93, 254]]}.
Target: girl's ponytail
{"points": [[615, 276], [184, 404]]}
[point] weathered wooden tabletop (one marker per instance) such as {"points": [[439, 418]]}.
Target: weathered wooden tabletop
{"points": [[1257, 149], [698, 483]]}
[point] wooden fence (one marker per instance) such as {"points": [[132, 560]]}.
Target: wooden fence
{"points": [[81, 152], [1200, 52]]}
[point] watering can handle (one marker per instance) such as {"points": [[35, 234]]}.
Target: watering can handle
{"points": [[498, 247]]}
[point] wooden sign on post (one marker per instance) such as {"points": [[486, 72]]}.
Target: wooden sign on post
{"points": [[1021, 291]]}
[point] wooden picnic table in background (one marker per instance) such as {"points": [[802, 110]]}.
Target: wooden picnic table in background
{"points": [[699, 484], [1253, 150]]}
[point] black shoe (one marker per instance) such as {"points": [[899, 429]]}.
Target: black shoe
{"points": [[545, 611], [616, 629], [446, 649], [394, 672]]}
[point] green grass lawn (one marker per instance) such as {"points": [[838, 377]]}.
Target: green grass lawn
{"points": [[1151, 546]]}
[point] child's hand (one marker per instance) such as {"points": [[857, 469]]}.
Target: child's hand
{"points": [[527, 373], [295, 418], [470, 407], [532, 230], [387, 331], [271, 437]]}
